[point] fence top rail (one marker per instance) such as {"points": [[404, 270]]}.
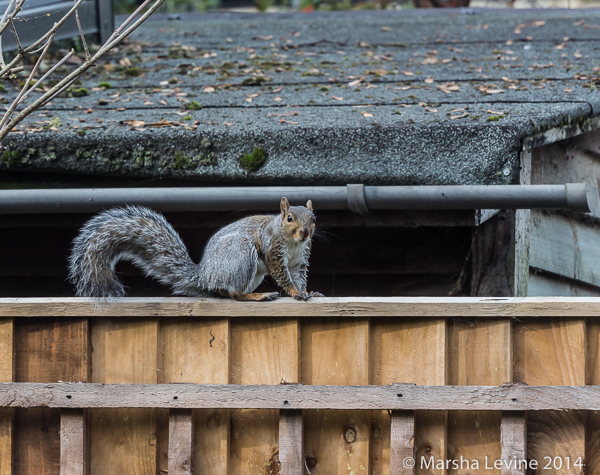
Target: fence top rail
{"points": [[316, 307], [508, 397]]}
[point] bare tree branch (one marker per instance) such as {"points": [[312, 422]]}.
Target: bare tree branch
{"points": [[25, 88], [85, 47], [117, 37]]}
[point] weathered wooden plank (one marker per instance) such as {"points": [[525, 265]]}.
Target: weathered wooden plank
{"points": [[548, 353], [263, 352], [575, 162], [7, 415], [198, 351], [48, 350], [73, 445], [513, 437], [508, 397], [317, 307], [480, 352], [410, 351], [544, 284], [291, 442], [181, 441], [336, 352], [402, 443], [124, 352], [565, 246]]}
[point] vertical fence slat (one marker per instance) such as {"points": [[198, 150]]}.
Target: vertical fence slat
{"points": [[291, 444], [73, 447], [124, 440], [7, 415], [181, 440], [264, 351], [402, 442], [513, 437], [198, 351]]}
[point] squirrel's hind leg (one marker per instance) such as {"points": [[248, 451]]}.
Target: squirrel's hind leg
{"points": [[257, 296]]}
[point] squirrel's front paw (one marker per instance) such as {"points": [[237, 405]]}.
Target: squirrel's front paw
{"points": [[302, 296], [316, 294]]}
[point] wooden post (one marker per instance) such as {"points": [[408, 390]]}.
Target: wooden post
{"points": [[500, 254], [402, 441], [513, 437], [73, 446], [181, 440], [291, 443]]}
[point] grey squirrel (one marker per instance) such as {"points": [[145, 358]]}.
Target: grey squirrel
{"points": [[234, 262]]}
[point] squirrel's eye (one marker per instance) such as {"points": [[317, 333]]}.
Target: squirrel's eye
{"points": [[314, 219], [290, 219]]}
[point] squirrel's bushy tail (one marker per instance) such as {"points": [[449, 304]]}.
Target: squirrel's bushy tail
{"points": [[132, 233]]}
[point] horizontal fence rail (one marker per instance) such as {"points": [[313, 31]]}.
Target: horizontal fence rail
{"points": [[508, 397], [316, 307]]}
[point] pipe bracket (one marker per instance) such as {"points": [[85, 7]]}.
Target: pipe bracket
{"points": [[356, 199]]}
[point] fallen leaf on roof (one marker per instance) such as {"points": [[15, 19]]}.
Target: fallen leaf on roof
{"points": [[209, 89], [408, 73], [461, 116], [568, 89], [490, 111], [430, 109], [133, 123], [277, 99], [429, 80], [228, 124], [285, 114], [461, 109], [120, 109], [163, 102], [337, 98], [275, 91], [378, 72], [494, 91], [385, 28], [146, 102], [266, 38], [371, 86], [366, 114], [283, 121]]}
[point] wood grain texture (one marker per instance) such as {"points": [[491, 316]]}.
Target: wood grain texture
{"points": [[181, 442], [7, 415], [47, 350], [411, 351], [592, 435], [552, 352], [402, 442], [198, 351], [73, 443], [291, 442], [513, 437], [329, 307], [508, 397], [262, 352], [124, 440], [336, 352], [480, 352], [565, 246]]}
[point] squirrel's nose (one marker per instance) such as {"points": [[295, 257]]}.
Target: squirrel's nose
{"points": [[304, 233]]}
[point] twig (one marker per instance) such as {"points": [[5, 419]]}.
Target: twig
{"points": [[14, 30], [50, 71], [53, 30], [64, 83], [85, 47], [25, 88]]}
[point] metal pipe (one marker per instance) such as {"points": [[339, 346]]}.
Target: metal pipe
{"points": [[361, 199]]}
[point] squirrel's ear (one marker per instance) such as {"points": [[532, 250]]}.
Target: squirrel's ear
{"points": [[309, 205], [285, 206]]}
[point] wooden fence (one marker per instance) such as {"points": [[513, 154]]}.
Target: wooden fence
{"points": [[370, 387]]}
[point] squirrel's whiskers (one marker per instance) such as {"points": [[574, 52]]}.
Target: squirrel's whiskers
{"points": [[234, 263]]}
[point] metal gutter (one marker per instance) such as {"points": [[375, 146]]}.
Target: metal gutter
{"points": [[360, 199]]}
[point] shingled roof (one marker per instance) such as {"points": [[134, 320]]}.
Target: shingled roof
{"points": [[405, 98]]}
